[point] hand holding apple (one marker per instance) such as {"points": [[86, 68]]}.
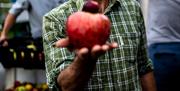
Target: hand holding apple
{"points": [[86, 28], [87, 34], [95, 51]]}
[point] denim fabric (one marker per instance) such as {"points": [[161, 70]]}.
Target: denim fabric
{"points": [[166, 62]]}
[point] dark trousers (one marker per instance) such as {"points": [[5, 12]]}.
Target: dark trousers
{"points": [[166, 62]]}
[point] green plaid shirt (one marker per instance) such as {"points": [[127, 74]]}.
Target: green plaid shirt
{"points": [[117, 70]]}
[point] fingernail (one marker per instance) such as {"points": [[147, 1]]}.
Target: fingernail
{"points": [[105, 47], [115, 44]]}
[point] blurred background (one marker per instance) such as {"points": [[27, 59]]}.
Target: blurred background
{"points": [[21, 64]]}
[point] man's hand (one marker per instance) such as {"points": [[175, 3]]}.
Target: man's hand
{"points": [[9, 21], [3, 40], [77, 74], [95, 52]]}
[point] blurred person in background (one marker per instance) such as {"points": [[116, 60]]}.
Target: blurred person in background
{"points": [[36, 9], [163, 34]]}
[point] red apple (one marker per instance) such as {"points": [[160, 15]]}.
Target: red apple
{"points": [[86, 29]]}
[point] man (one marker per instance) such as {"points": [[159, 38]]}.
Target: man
{"points": [[120, 65], [163, 33]]}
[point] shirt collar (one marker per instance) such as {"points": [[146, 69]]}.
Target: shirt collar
{"points": [[80, 3]]}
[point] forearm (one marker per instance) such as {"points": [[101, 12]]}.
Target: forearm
{"points": [[9, 21], [148, 82], [76, 75]]}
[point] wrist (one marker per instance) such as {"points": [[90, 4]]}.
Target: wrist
{"points": [[3, 33]]}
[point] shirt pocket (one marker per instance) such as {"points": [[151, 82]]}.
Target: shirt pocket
{"points": [[128, 46]]}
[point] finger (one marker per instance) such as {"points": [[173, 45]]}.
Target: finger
{"points": [[82, 54], [105, 47], [96, 48], [96, 51], [112, 45], [62, 43], [5, 44]]}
